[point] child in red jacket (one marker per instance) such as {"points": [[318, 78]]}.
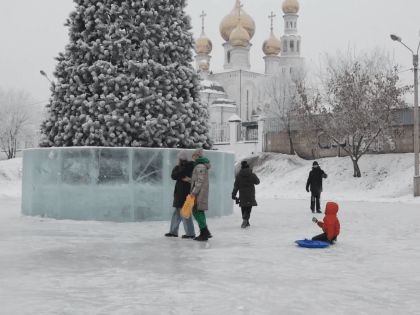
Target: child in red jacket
{"points": [[330, 226]]}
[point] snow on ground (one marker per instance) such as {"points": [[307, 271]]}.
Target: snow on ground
{"points": [[11, 177], [385, 178], [73, 268]]}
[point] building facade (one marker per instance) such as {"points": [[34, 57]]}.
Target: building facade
{"points": [[237, 89]]}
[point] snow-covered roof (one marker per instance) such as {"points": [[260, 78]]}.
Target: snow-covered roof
{"points": [[234, 118], [224, 102], [212, 87]]}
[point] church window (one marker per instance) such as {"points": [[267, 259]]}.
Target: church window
{"points": [[292, 46], [285, 46], [295, 24], [298, 46], [228, 56]]}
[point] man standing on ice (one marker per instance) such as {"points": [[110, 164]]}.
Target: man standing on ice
{"points": [[315, 182], [183, 169], [200, 191], [245, 182]]}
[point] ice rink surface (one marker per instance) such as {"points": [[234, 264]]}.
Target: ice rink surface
{"points": [[72, 267]]}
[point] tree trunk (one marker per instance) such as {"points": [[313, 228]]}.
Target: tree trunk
{"points": [[292, 151], [356, 169]]}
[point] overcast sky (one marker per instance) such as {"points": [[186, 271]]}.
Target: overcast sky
{"points": [[32, 32]]}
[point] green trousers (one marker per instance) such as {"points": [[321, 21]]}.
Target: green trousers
{"points": [[200, 216]]}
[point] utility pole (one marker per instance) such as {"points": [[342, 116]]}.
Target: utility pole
{"points": [[416, 115]]}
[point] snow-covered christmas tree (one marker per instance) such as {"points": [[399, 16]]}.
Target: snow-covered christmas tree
{"points": [[126, 79]]}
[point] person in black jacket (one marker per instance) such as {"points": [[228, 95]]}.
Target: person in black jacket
{"points": [[245, 182], [315, 182], [182, 189]]}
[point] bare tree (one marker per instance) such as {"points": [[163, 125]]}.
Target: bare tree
{"points": [[279, 97], [16, 120], [358, 103]]}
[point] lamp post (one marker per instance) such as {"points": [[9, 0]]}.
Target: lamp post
{"points": [[45, 75], [416, 116]]}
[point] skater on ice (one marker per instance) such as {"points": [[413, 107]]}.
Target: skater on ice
{"points": [[330, 226], [184, 168], [200, 192], [315, 183], [245, 182]]}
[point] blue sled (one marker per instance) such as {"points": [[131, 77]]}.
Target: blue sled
{"points": [[312, 244]]}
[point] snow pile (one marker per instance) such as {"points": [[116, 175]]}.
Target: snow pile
{"points": [[385, 178], [11, 177]]}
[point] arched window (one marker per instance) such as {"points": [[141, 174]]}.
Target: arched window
{"points": [[292, 46], [285, 46], [298, 46], [295, 24], [228, 56]]}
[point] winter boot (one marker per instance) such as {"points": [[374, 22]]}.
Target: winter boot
{"points": [[313, 211], [171, 235], [318, 211], [244, 224], [208, 234], [247, 223], [202, 237]]}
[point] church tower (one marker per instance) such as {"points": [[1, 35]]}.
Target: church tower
{"points": [[203, 48], [271, 48], [237, 29], [291, 41]]}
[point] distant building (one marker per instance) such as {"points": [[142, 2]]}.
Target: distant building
{"points": [[237, 90]]}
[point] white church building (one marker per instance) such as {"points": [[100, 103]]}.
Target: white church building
{"points": [[237, 89]]}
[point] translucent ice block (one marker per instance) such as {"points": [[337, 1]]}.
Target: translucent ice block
{"points": [[114, 184]]}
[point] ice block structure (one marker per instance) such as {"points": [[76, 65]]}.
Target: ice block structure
{"points": [[114, 184]]}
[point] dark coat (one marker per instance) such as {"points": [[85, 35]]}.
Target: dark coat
{"points": [[315, 179], [245, 182], [182, 189]]}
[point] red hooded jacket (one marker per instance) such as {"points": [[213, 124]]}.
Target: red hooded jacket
{"points": [[331, 225]]}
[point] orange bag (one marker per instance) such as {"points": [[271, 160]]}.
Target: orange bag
{"points": [[187, 207]]}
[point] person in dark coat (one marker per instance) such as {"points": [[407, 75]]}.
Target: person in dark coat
{"points": [[315, 184], [182, 190], [245, 182]]}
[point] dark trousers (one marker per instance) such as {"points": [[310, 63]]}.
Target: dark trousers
{"points": [[246, 213], [315, 199], [323, 237]]}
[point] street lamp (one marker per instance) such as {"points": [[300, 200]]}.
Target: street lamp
{"points": [[45, 75], [416, 116]]}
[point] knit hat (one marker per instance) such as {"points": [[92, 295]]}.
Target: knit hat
{"points": [[244, 164], [198, 152], [182, 155], [315, 163]]}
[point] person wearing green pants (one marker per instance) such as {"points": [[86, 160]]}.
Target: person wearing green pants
{"points": [[200, 191]]}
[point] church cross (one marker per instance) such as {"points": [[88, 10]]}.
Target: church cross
{"points": [[202, 16], [272, 16], [239, 6]]}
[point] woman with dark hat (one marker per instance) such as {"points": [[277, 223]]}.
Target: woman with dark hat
{"points": [[183, 169], [245, 182]]}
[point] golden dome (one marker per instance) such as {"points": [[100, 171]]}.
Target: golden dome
{"points": [[204, 66], [239, 37], [290, 6], [271, 46], [230, 22], [203, 46]]}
